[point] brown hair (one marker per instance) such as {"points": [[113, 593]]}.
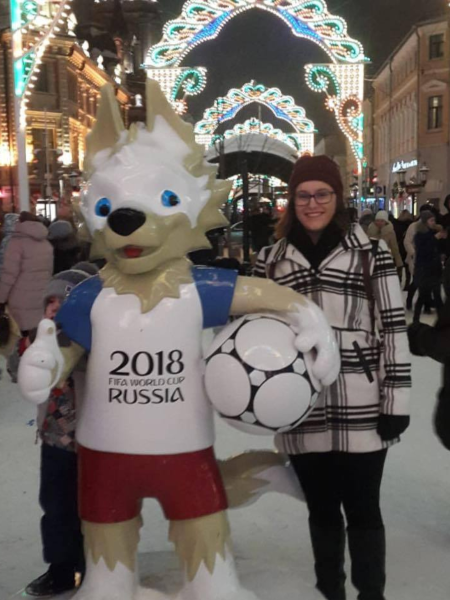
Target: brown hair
{"points": [[28, 216], [286, 223]]}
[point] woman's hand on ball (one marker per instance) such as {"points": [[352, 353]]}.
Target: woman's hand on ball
{"points": [[314, 333]]}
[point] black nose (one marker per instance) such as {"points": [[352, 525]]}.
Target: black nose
{"points": [[125, 221]]}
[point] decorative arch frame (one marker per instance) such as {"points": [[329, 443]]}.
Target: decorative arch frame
{"points": [[283, 107], [202, 20], [302, 143]]}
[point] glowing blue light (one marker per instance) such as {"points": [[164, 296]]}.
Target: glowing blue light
{"points": [[298, 27], [211, 29]]}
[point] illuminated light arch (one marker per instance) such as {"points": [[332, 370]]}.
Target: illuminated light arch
{"points": [[202, 20], [302, 143], [283, 107]]}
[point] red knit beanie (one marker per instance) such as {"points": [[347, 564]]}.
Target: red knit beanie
{"points": [[317, 168]]}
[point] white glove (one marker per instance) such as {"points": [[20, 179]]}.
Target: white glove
{"points": [[314, 333], [41, 364]]}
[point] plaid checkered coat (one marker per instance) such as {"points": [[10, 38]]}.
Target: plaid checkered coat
{"points": [[375, 372]]}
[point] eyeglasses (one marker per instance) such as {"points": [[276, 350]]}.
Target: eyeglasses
{"points": [[321, 197]]}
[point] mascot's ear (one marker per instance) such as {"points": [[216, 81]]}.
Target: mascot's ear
{"points": [[157, 104], [107, 129]]}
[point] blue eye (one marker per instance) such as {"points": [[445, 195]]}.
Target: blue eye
{"points": [[103, 207], [170, 199]]}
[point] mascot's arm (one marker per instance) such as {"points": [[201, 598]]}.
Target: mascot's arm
{"points": [[44, 365], [253, 294]]}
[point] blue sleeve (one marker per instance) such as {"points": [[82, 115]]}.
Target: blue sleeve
{"points": [[74, 316], [216, 290]]}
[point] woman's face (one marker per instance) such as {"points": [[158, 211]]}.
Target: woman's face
{"points": [[431, 222], [314, 215]]}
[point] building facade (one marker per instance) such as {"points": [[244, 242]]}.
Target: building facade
{"points": [[61, 111], [410, 124]]}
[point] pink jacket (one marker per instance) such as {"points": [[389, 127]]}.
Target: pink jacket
{"points": [[27, 270]]}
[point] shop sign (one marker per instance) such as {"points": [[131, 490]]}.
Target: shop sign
{"points": [[401, 165]]}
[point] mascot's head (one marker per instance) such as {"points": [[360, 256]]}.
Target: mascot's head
{"points": [[150, 196]]}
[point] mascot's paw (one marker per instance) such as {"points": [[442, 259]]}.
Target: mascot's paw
{"points": [[239, 594], [148, 594], [140, 594]]}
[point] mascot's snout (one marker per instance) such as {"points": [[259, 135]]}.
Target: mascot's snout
{"points": [[125, 221]]}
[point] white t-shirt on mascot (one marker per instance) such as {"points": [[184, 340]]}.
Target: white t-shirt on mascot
{"points": [[144, 387]]}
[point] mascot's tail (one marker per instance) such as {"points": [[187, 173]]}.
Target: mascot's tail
{"points": [[250, 475]]}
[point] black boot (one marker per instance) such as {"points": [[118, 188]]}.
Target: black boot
{"points": [[55, 581], [329, 553], [368, 554]]}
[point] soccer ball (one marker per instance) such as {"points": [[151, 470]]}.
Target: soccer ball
{"points": [[255, 377]]}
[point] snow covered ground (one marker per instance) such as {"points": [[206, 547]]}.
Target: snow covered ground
{"points": [[271, 537]]}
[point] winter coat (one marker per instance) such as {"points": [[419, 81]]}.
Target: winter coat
{"points": [[387, 233], [366, 220], [27, 270], [7, 231], [428, 265], [375, 372], [66, 249], [401, 227], [435, 342], [408, 242]]}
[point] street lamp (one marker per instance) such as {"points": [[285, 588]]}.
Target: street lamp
{"points": [[401, 173], [74, 180], [423, 172]]}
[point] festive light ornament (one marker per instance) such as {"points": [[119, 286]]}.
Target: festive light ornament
{"points": [[301, 142], [203, 20], [227, 107], [344, 87]]}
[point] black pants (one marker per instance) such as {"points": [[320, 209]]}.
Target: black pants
{"points": [[62, 539], [427, 296], [332, 480]]}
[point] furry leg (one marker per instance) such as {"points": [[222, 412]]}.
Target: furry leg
{"points": [[111, 572], [203, 547]]}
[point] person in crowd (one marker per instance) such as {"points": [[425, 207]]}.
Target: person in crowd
{"points": [[26, 272], [9, 225], [382, 229], [62, 236], [434, 342], [408, 242], [366, 219], [352, 214], [62, 540], [428, 262], [401, 226], [261, 228], [339, 451]]}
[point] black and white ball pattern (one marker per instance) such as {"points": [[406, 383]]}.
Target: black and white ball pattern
{"points": [[255, 377]]}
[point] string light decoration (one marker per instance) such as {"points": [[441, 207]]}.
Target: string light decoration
{"points": [[178, 83], [34, 23], [344, 87], [303, 143], [227, 107], [202, 20]]}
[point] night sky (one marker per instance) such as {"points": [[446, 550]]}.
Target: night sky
{"points": [[257, 45]]}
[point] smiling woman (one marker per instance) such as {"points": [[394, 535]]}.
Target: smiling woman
{"points": [[338, 452]]}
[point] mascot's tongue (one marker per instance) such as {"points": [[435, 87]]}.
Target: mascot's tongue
{"points": [[133, 251]]}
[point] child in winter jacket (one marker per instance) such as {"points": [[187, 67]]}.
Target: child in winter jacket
{"points": [[62, 539]]}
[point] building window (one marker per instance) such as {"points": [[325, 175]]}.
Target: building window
{"points": [[72, 87], [43, 82], [435, 112], [436, 46]]}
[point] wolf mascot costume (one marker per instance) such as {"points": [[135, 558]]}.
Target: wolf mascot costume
{"points": [[146, 427]]}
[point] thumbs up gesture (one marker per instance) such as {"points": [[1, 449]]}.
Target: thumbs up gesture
{"points": [[41, 364]]}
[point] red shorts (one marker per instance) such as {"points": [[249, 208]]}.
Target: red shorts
{"points": [[112, 486]]}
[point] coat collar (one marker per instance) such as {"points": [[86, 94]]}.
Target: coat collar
{"points": [[356, 239]]}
